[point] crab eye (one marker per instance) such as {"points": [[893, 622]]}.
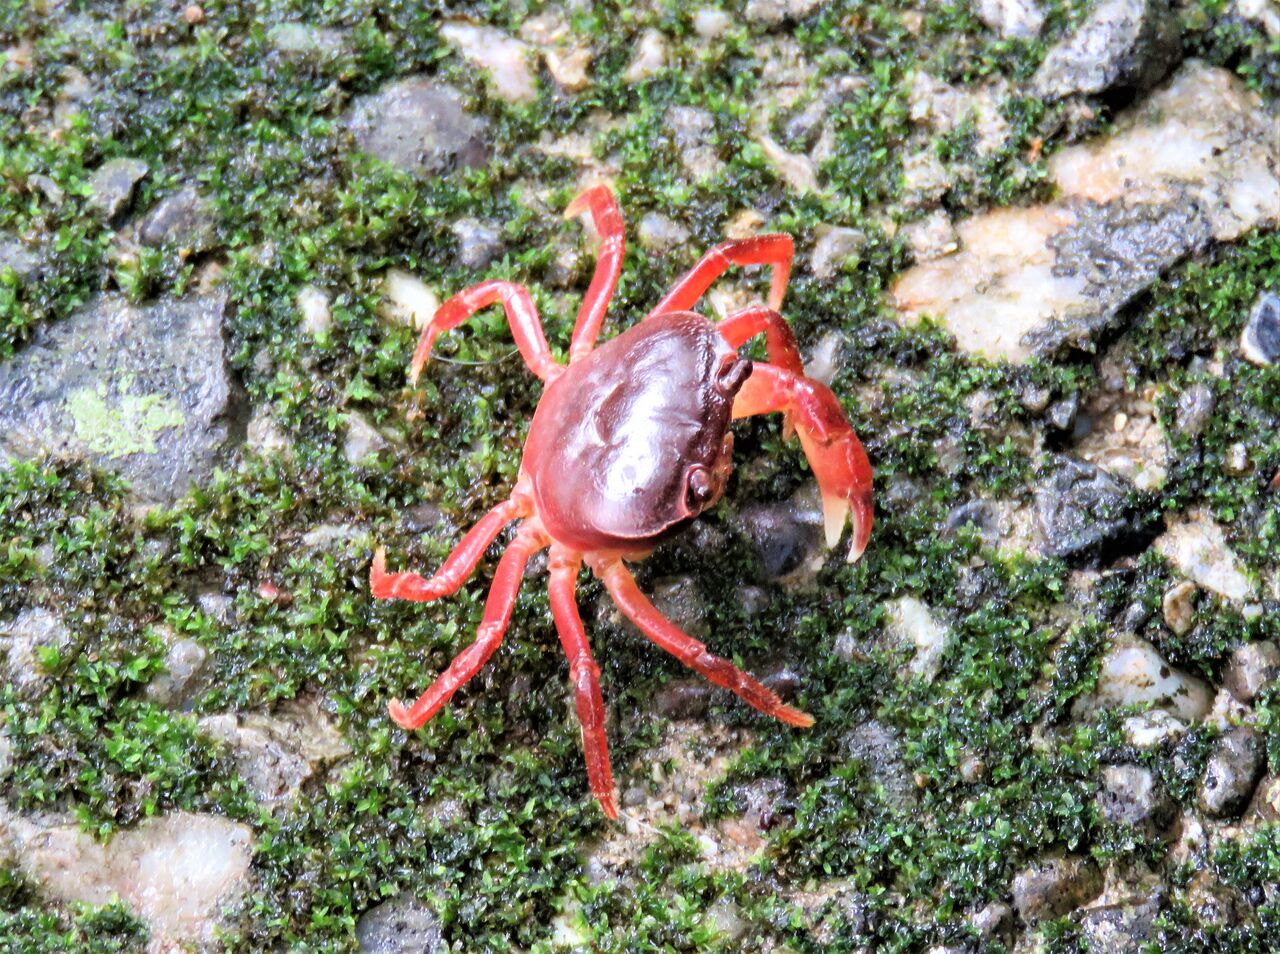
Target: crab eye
{"points": [[699, 486], [733, 373]]}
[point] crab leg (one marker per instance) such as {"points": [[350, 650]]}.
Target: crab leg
{"points": [[637, 608], [777, 250], [459, 565], [497, 614], [526, 326], [779, 339], [585, 675], [599, 201], [834, 451]]}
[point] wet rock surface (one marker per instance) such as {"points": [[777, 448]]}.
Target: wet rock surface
{"points": [[113, 184], [185, 218], [1087, 516], [400, 925], [1232, 772], [141, 390], [418, 125], [1130, 44], [1054, 887]]}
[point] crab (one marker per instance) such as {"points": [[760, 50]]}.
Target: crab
{"points": [[630, 441]]}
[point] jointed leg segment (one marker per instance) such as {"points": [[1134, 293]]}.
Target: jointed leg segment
{"points": [[459, 565], [599, 201], [497, 614], [584, 674], [777, 250], [779, 340], [637, 608], [526, 326]]}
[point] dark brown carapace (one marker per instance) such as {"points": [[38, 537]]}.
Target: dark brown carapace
{"points": [[631, 441]]}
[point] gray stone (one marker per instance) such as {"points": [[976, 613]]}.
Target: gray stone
{"points": [[994, 921], [185, 218], [657, 233], [15, 256], [141, 390], [1130, 795], [1195, 409], [304, 41], [834, 245], [1116, 251], [1084, 514], [787, 536], [1231, 773], [1252, 668], [1055, 886], [420, 126], [880, 751], [183, 664], [1129, 44], [113, 184], [32, 630], [402, 925], [1260, 341], [684, 699], [1120, 928], [479, 243], [680, 600]]}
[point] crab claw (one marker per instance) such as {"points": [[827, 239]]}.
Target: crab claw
{"points": [[834, 452]]}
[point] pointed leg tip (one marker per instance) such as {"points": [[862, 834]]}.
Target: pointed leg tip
{"points": [[400, 715], [794, 717], [378, 572], [608, 805]]}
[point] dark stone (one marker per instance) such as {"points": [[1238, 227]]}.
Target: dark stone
{"points": [[1260, 342], [420, 126], [143, 391], [785, 536], [1118, 251], [1232, 772], [782, 680], [402, 925], [113, 184], [684, 699], [1085, 516], [1055, 886], [1126, 45], [478, 242], [1062, 414], [185, 219], [880, 751]]}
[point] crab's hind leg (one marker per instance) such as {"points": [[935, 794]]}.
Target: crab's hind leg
{"points": [[607, 217], [584, 674], [497, 614], [459, 565], [522, 314], [637, 608], [836, 455], [776, 249]]}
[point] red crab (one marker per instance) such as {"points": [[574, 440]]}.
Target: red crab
{"points": [[631, 441]]}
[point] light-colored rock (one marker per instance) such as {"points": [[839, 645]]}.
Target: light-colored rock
{"points": [[1125, 43], [568, 67], [1198, 548], [711, 23], [795, 169], [175, 871], [183, 664], [506, 58], [31, 631], [1178, 607], [834, 244], [418, 125], [1021, 19], [275, 754], [1146, 730], [657, 233], [1194, 163], [1133, 673], [1055, 886], [931, 237], [407, 299], [1260, 339], [693, 130], [910, 622], [650, 56], [362, 439], [1252, 668], [1231, 772], [400, 925], [313, 306]]}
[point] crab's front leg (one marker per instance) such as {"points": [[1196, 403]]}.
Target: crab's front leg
{"points": [[836, 455]]}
